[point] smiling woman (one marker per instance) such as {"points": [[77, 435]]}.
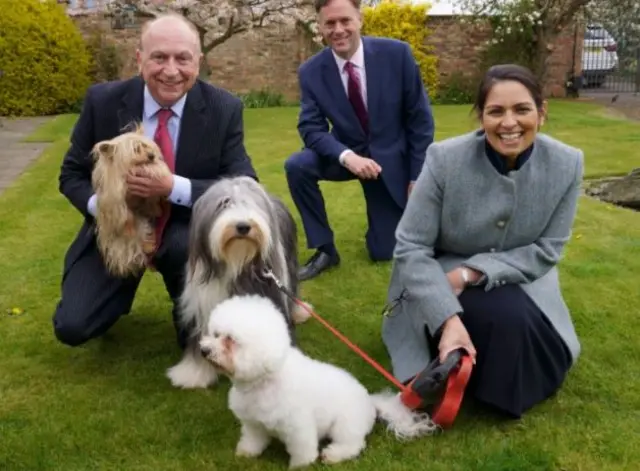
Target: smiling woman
{"points": [[478, 247], [511, 109]]}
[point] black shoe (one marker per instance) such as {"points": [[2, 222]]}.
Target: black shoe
{"points": [[319, 262]]}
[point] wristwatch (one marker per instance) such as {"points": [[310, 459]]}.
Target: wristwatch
{"points": [[465, 276]]}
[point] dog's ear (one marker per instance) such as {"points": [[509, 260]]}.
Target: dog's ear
{"points": [[105, 149], [139, 129]]}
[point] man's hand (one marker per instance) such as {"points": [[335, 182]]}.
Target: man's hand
{"points": [[145, 186], [457, 281], [362, 167]]}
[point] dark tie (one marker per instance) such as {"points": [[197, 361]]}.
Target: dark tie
{"points": [[355, 96], [163, 139]]}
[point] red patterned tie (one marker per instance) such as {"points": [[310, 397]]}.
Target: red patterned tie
{"points": [[355, 96], [163, 139]]}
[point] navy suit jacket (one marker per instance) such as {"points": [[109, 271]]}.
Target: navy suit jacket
{"points": [[211, 143], [400, 118]]}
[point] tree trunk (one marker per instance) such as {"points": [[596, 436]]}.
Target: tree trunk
{"points": [[542, 54], [207, 47], [205, 70]]}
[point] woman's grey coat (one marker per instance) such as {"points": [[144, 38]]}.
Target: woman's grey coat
{"points": [[512, 227]]}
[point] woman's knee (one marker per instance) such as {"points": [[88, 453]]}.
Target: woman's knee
{"points": [[506, 310]]}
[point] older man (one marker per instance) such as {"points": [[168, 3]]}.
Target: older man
{"points": [[205, 126], [371, 91]]}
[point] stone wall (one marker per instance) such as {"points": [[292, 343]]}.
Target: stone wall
{"points": [[268, 59]]}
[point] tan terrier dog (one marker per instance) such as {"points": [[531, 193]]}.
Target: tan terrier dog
{"points": [[125, 225]]}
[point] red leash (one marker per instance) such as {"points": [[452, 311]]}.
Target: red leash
{"points": [[456, 370], [350, 344]]}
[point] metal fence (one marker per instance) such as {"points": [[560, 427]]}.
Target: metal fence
{"points": [[610, 59]]}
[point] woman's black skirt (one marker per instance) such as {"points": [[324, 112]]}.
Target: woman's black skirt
{"points": [[521, 360]]}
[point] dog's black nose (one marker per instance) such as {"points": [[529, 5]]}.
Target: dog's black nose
{"points": [[150, 156], [243, 228], [205, 351]]}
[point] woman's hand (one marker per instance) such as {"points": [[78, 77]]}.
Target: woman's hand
{"points": [[454, 336], [456, 279]]}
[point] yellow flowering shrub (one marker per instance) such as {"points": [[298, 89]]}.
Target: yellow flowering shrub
{"points": [[407, 22]]}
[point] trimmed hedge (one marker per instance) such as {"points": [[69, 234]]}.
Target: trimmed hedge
{"points": [[43, 58]]}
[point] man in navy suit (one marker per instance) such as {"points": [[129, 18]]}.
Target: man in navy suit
{"points": [[203, 125], [371, 91]]}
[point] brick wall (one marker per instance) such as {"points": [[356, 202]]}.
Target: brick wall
{"points": [[269, 58], [459, 45]]}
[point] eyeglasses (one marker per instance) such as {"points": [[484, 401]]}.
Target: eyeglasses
{"points": [[388, 309]]}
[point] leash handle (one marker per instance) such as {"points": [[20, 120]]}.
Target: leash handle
{"points": [[445, 413]]}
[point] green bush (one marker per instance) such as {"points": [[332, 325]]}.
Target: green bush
{"points": [[106, 61], [43, 59], [263, 99], [458, 89], [407, 22]]}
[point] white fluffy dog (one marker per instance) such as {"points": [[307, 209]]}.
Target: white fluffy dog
{"points": [[277, 391]]}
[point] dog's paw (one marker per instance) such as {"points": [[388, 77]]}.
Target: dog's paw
{"points": [[300, 313], [249, 450], [189, 374], [253, 441], [335, 453]]}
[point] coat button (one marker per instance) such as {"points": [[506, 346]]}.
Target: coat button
{"points": [[500, 223]]}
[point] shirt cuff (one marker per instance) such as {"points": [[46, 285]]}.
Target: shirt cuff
{"points": [[181, 193], [92, 205], [342, 155]]}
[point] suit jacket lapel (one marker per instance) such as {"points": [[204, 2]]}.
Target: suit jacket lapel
{"points": [[373, 69], [333, 82], [332, 79], [192, 129], [130, 111]]}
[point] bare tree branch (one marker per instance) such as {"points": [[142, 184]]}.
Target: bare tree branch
{"points": [[219, 20]]}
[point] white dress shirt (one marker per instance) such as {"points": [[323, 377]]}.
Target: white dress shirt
{"points": [[358, 61]]}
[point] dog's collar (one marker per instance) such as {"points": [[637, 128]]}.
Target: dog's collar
{"points": [[268, 274]]}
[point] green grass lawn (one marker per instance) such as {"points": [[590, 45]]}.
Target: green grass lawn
{"points": [[108, 406]]}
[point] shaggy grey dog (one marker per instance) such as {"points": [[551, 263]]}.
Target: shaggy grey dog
{"points": [[238, 230]]}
